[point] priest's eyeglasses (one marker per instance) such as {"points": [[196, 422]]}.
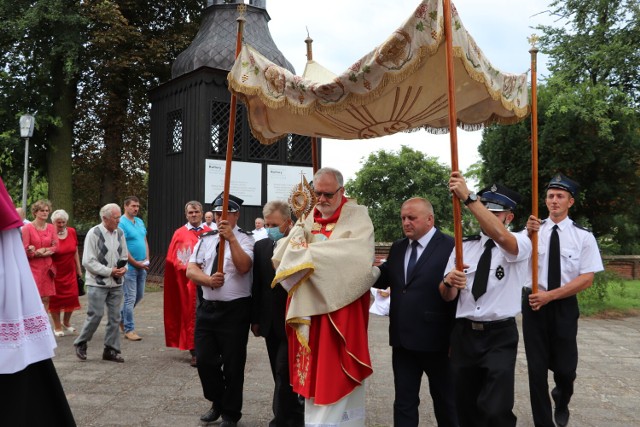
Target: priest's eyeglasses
{"points": [[327, 195]]}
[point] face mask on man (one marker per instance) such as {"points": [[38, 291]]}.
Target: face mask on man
{"points": [[274, 233]]}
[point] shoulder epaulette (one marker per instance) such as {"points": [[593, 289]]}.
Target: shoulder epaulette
{"points": [[248, 233], [575, 224], [471, 238], [543, 221], [208, 233]]}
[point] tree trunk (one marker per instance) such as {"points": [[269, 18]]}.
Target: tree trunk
{"points": [[114, 119], [60, 142]]}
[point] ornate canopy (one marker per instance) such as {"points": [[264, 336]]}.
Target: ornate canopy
{"points": [[399, 86]]}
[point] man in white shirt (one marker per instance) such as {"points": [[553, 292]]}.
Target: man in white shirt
{"points": [[484, 341], [260, 232], [223, 316], [568, 258], [209, 221]]}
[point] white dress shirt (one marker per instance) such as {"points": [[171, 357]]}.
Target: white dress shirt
{"points": [[504, 287], [579, 253], [236, 285]]}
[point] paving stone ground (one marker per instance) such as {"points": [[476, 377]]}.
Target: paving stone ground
{"points": [[157, 387]]}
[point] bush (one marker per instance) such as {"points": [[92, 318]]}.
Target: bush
{"points": [[595, 297]]}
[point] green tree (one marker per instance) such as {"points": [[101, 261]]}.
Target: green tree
{"points": [[598, 45], [132, 46], [387, 179], [41, 44], [588, 112], [86, 68]]}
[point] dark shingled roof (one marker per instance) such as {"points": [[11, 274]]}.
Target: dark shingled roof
{"points": [[215, 44]]}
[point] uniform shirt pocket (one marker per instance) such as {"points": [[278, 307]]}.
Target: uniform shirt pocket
{"points": [[542, 249], [570, 258]]}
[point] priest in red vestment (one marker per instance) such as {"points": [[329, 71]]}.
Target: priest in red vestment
{"points": [[179, 292], [325, 264]]}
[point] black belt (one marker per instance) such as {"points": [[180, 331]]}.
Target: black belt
{"points": [[222, 304], [485, 326]]}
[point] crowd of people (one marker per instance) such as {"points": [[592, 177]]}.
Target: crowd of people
{"points": [[306, 288]]}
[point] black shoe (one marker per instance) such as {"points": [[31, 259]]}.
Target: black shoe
{"points": [[111, 355], [81, 350], [561, 413], [227, 423], [211, 415]]}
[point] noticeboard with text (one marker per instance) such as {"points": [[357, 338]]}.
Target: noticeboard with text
{"points": [[246, 181], [281, 180]]}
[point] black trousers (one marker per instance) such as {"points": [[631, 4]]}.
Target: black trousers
{"points": [[550, 344], [483, 363], [288, 407], [221, 335], [408, 367]]}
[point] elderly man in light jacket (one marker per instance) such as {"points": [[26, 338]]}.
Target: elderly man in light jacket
{"points": [[104, 258]]}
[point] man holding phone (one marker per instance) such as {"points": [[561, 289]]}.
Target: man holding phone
{"points": [[104, 259]]}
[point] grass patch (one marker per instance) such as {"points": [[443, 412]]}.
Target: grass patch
{"points": [[614, 298], [153, 284]]}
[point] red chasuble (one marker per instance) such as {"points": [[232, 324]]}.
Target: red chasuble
{"points": [[339, 359], [179, 292]]}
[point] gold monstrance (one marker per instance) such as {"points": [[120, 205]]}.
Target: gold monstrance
{"points": [[302, 198]]}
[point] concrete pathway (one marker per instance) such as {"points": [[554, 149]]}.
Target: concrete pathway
{"points": [[157, 387]]}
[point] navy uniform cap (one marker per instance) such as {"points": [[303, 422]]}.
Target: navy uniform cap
{"points": [[562, 182], [499, 198], [234, 203]]}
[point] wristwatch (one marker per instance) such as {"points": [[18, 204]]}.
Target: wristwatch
{"points": [[473, 197]]}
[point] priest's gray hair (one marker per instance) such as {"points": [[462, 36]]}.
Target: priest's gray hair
{"points": [[330, 171]]}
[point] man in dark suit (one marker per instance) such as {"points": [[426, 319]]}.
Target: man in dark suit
{"points": [[420, 321], [268, 316]]}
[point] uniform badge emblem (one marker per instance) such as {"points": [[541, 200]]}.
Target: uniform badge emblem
{"points": [[500, 272]]}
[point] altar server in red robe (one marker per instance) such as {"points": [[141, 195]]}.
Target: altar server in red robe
{"points": [[179, 292]]}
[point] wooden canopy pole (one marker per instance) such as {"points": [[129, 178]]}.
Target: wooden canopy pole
{"points": [[314, 140], [453, 128], [242, 8], [534, 159]]}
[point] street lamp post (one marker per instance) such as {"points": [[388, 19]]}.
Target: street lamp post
{"points": [[26, 131]]}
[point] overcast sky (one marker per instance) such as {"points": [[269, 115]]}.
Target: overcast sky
{"points": [[343, 31]]}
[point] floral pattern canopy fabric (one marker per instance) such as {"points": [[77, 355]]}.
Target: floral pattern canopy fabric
{"points": [[399, 86]]}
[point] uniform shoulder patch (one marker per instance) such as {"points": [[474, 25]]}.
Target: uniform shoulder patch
{"points": [[471, 238], [208, 233], [248, 233], [575, 224]]}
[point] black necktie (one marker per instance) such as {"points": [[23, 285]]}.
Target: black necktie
{"points": [[412, 258], [553, 277], [482, 271], [214, 269]]}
